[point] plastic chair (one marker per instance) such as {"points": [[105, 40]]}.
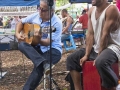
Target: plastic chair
{"points": [[80, 37], [77, 33], [71, 45]]}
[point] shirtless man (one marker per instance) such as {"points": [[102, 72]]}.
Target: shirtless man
{"points": [[67, 24], [102, 45]]}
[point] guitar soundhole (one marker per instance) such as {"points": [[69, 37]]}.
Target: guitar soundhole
{"points": [[29, 34]]}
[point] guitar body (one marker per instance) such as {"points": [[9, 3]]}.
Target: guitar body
{"points": [[28, 32], [27, 29]]}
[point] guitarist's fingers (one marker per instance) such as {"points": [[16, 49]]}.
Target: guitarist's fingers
{"points": [[36, 33], [22, 37]]}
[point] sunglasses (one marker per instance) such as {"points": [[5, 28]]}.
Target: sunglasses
{"points": [[43, 10]]}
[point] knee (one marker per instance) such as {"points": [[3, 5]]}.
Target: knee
{"points": [[69, 59], [99, 63], [21, 46]]}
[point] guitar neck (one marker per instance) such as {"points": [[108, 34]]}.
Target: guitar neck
{"points": [[42, 30], [47, 29]]}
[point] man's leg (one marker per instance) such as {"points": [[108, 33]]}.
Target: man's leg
{"points": [[37, 60], [73, 65], [56, 55], [103, 64], [76, 79], [31, 53], [34, 78]]}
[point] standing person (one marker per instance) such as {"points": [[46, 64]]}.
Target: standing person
{"points": [[67, 25], [83, 19], [40, 54], [14, 22], [102, 45]]}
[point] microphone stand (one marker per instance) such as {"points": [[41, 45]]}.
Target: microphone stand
{"points": [[50, 4]]}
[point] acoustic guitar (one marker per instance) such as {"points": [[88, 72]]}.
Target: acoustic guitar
{"points": [[28, 32]]}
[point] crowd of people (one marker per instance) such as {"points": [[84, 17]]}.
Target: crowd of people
{"points": [[102, 42]]}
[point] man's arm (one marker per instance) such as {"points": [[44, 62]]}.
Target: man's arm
{"points": [[69, 21], [18, 28], [112, 16], [89, 39], [45, 42], [90, 35]]}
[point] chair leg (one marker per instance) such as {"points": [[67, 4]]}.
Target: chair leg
{"points": [[83, 40], [46, 83], [72, 42], [56, 87]]}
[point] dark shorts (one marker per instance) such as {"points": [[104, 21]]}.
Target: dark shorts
{"points": [[73, 60], [103, 65]]}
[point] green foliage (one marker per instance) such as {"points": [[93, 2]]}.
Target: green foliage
{"points": [[73, 10], [61, 2]]}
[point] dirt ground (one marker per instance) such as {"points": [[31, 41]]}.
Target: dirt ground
{"points": [[18, 68]]}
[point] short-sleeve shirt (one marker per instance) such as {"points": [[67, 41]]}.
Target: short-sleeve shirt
{"points": [[84, 20], [55, 22]]}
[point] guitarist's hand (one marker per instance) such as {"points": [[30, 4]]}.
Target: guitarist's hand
{"points": [[37, 34], [20, 37]]}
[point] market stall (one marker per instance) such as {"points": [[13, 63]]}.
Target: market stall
{"points": [[10, 8]]}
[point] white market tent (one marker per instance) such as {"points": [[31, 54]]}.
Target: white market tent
{"points": [[18, 7]]}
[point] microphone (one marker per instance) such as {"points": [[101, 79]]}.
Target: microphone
{"points": [[50, 2]]}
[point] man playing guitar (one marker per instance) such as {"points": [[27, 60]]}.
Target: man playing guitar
{"points": [[39, 54]]}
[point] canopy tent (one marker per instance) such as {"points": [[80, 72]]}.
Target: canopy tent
{"points": [[17, 10], [18, 7], [19, 2], [83, 1]]}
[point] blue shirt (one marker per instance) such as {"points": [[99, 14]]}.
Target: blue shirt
{"points": [[56, 36]]}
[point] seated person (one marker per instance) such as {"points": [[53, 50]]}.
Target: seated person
{"points": [[40, 54], [102, 45], [67, 25]]}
